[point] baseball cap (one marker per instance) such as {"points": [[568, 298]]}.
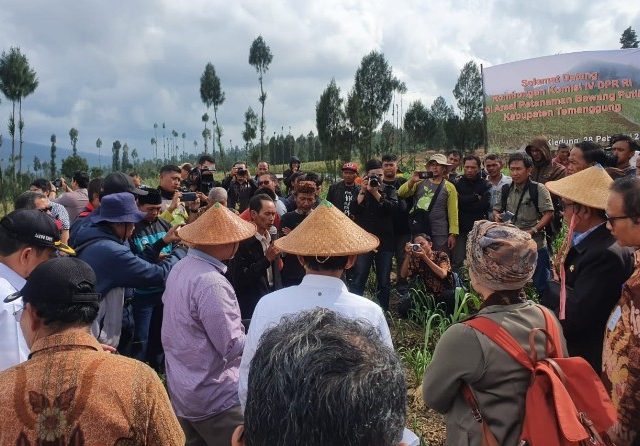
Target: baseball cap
{"points": [[34, 228], [117, 182], [438, 158], [118, 208], [62, 280], [350, 166]]}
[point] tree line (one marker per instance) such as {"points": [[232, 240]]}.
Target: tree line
{"points": [[347, 127]]}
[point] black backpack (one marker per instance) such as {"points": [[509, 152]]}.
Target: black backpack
{"points": [[533, 194]]}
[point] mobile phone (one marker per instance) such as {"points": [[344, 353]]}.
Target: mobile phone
{"points": [[189, 196], [425, 175], [506, 216]]}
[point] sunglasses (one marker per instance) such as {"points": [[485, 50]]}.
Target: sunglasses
{"points": [[264, 183], [47, 209]]}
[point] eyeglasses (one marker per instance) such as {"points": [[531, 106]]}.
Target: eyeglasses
{"points": [[18, 314], [264, 183], [610, 220], [47, 209]]}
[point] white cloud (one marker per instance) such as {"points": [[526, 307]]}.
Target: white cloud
{"points": [[112, 69]]}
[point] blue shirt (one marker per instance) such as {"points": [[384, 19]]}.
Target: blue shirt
{"points": [[579, 236]]}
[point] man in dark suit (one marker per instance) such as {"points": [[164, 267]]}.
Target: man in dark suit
{"points": [[255, 269], [593, 264]]}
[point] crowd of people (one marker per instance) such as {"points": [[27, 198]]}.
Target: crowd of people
{"points": [[247, 294]]}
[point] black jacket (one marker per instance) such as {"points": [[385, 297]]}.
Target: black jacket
{"points": [[595, 270], [473, 201], [377, 217], [249, 275], [401, 216], [337, 196], [240, 194]]}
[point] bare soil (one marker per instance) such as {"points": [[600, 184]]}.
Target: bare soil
{"points": [[426, 423]]}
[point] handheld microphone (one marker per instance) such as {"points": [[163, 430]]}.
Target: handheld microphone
{"points": [[273, 232]]}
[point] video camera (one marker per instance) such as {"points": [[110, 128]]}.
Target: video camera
{"points": [[201, 180]]}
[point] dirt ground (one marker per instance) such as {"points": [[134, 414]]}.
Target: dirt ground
{"points": [[425, 423]]}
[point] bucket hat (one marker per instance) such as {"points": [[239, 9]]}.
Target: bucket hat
{"points": [[118, 208], [438, 158]]}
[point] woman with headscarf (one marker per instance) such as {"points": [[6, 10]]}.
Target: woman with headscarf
{"points": [[502, 259]]}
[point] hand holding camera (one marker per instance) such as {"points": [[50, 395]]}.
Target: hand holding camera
{"points": [[175, 201]]}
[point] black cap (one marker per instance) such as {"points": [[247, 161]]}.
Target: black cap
{"points": [[63, 280], [153, 196], [34, 228], [117, 182]]}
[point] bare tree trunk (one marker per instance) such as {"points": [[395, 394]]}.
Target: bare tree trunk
{"points": [[20, 127], [262, 98], [13, 140], [215, 116]]}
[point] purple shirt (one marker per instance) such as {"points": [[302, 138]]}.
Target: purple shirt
{"points": [[203, 337]]}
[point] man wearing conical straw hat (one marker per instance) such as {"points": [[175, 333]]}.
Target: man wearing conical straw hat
{"points": [[202, 333], [590, 268], [326, 243]]}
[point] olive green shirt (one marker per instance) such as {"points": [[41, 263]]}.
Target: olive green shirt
{"points": [[527, 216]]}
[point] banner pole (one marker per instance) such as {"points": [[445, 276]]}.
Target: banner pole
{"points": [[484, 113]]}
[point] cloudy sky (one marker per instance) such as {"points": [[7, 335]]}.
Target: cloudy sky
{"points": [[113, 68]]}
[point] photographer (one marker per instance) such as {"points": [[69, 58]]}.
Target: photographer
{"points": [[229, 179], [374, 210], [432, 267], [241, 189], [173, 210], [435, 203], [294, 166], [200, 179], [76, 199]]}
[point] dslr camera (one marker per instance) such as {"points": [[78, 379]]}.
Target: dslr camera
{"points": [[242, 172], [374, 181]]}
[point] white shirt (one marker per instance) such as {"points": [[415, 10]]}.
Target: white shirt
{"points": [[13, 348], [281, 208], [314, 291]]}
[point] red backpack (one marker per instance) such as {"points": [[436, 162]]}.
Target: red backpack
{"points": [[566, 403]]}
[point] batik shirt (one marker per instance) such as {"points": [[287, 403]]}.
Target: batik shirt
{"points": [[70, 392], [433, 283], [621, 359]]}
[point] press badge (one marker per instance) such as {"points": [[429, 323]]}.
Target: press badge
{"points": [[615, 317]]}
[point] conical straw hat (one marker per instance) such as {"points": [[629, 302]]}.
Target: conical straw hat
{"points": [[589, 187], [217, 226], [327, 232]]}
